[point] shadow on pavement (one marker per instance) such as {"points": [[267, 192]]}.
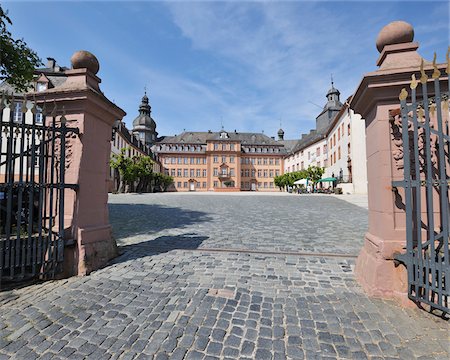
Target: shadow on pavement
{"points": [[158, 246], [138, 219]]}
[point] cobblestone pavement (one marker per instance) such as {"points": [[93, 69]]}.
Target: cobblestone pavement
{"points": [[187, 286]]}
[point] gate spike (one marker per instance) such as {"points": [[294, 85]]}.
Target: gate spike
{"points": [[414, 81], [403, 94], [436, 73], [24, 106], [424, 77]]}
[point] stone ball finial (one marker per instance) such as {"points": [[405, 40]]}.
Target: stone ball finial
{"points": [[396, 32], [85, 60]]}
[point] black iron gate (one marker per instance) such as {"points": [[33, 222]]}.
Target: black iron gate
{"points": [[425, 138], [32, 189]]}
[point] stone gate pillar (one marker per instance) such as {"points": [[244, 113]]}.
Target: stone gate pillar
{"points": [[84, 106], [375, 99]]}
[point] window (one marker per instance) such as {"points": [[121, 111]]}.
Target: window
{"points": [[41, 86], [271, 185], [270, 161], [265, 185], [216, 146], [271, 173], [342, 127], [231, 159], [303, 165], [198, 172], [179, 172], [216, 172], [348, 149], [232, 147], [17, 116], [186, 161], [277, 172], [277, 161], [339, 153], [253, 161], [192, 161], [204, 184], [216, 184], [199, 161], [348, 129], [179, 184], [224, 159], [339, 133], [246, 172], [259, 184], [172, 172], [334, 139], [192, 173], [185, 172], [204, 172], [198, 184], [231, 172], [318, 151], [166, 160], [224, 146], [253, 173], [39, 116], [265, 173], [325, 149], [216, 159], [259, 173], [185, 184], [180, 160], [259, 161], [265, 161]]}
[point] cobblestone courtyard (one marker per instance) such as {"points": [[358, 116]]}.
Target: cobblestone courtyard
{"points": [[205, 276]]}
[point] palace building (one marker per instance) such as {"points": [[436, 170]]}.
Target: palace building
{"points": [[214, 161]]}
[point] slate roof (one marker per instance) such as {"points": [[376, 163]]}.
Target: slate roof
{"points": [[201, 137]]}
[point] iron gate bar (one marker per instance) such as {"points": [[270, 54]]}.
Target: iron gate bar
{"points": [[32, 213], [427, 261]]}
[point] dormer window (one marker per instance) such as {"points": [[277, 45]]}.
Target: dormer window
{"points": [[41, 86], [223, 135]]}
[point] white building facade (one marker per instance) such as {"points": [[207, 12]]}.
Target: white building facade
{"points": [[346, 141]]}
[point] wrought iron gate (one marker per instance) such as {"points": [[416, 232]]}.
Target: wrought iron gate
{"points": [[425, 139], [32, 189]]}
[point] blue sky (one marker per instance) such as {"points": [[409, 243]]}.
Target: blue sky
{"points": [[249, 64]]}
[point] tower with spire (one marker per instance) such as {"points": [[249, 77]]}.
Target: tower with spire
{"points": [[144, 127], [331, 108]]}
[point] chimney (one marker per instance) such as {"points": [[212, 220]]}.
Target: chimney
{"points": [[312, 131], [303, 136], [51, 63], [272, 137]]}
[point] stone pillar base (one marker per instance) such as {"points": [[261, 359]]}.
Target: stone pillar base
{"points": [[94, 248], [376, 273]]}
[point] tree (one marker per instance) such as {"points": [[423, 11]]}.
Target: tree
{"points": [[144, 172], [123, 164], [162, 181], [17, 60], [314, 173]]}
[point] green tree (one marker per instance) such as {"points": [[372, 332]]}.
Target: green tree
{"points": [[144, 172], [315, 173], [162, 181], [124, 165], [17, 60]]}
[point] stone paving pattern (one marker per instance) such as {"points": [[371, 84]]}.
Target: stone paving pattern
{"points": [[166, 298]]}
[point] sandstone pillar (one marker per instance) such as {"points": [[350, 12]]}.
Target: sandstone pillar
{"points": [[87, 163], [376, 96]]}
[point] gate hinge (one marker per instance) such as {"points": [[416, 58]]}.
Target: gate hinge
{"points": [[400, 259]]}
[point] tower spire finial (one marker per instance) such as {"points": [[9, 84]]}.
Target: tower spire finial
{"points": [[145, 90], [332, 82]]}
